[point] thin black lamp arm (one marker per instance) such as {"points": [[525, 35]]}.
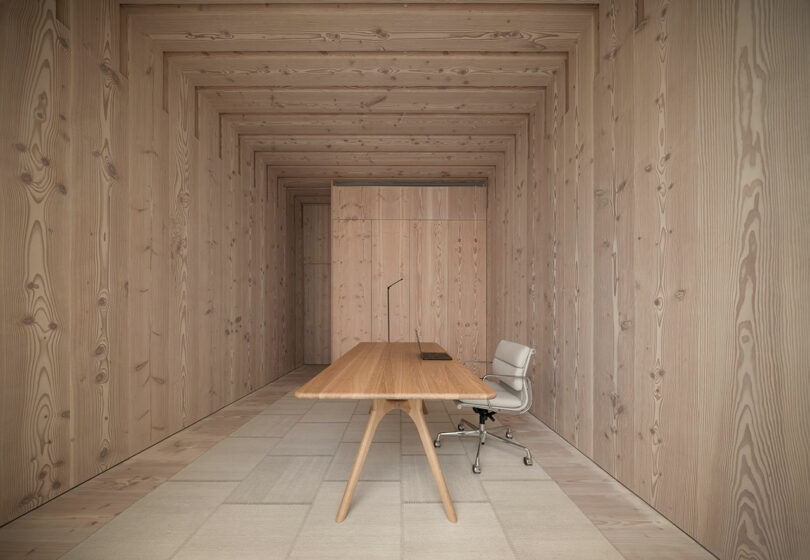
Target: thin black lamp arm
{"points": [[388, 304]]}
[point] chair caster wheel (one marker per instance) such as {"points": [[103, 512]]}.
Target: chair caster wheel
{"points": [[460, 427], [476, 469], [509, 435], [437, 443], [527, 461]]}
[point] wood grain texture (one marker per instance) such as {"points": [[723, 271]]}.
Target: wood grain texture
{"points": [[442, 262], [395, 370], [351, 284], [35, 222], [429, 266], [644, 224], [614, 439], [317, 243], [373, 28], [467, 308], [372, 69], [390, 246], [750, 373]]}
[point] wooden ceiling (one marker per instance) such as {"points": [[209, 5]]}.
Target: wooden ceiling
{"points": [[367, 88]]}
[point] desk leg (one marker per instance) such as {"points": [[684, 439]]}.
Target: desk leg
{"points": [[415, 410], [379, 407]]}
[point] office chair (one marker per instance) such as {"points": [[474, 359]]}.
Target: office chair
{"points": [[513, 394]]}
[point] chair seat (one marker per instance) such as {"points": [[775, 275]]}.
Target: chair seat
{"points": [[504, 398]]}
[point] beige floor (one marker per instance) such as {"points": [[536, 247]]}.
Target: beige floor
{"points": [[263, 479]]}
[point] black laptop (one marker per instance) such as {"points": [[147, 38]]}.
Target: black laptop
{"points": [[431, 355]]}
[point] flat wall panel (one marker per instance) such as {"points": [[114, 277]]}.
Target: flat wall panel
{"points": [[391, 261], [429, 279], [435, 239], [317, 307], [317, 313], [351, 284]]}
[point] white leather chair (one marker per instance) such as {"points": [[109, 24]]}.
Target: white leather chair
{"points": [[513, 394]]}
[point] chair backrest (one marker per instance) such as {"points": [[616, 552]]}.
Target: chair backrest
{"points": [[512, 359]]}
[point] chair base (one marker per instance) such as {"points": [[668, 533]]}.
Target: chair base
{"points": [[482, 433]]}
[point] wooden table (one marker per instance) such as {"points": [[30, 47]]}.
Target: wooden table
{"points": [[393, 375]]}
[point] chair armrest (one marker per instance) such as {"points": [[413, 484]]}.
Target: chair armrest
{"points": [[503, 375]]}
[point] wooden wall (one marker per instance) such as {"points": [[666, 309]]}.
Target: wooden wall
{"points": [[676, 267], [133, 287], [434, 238], [644, 226], [317, 265]]}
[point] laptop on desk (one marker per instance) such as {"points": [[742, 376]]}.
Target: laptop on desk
{"points": [[431, 355]]}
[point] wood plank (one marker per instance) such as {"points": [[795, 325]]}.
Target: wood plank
{"points": [[429, 262], [237, 99], [752, 258], [614, 288], [390, 250], [370, 124], [351, 284], [666, 226], [371, 69], [376, 142], [391, 28], [98, 412], [317, 314], [467, 290], [317, 240], [317, 243], [35, 279]]}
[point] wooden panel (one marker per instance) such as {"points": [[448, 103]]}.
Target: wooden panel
{"points": [[351, 284], [317, 314], [391, 28], [371, 69], [390, 262], [35, 277], [614, 437], [317, 307], [365, 124], [753, 265], [374, 100], [98, 154], [429, 280], [652, 245], [317, 241], [467, 309], [422, 249], [666, 231]]}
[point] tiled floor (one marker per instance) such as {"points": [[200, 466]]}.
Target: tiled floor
{"points": [[271, 487]]}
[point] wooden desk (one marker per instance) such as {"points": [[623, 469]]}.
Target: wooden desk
{"points": [[393, 375]]}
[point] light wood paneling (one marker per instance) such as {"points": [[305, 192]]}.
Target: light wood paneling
{"points": [[753, 264], [429, 265], [434, 238], [351, 284], [317, 243], [467, 309], [390, 241], [644, 223], [35, 276], [683, 262], [317, 314]]}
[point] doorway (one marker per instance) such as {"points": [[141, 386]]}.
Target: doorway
{"points": [[316, 282]]}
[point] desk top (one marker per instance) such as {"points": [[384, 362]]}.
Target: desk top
{"points": [[383, 370]]}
